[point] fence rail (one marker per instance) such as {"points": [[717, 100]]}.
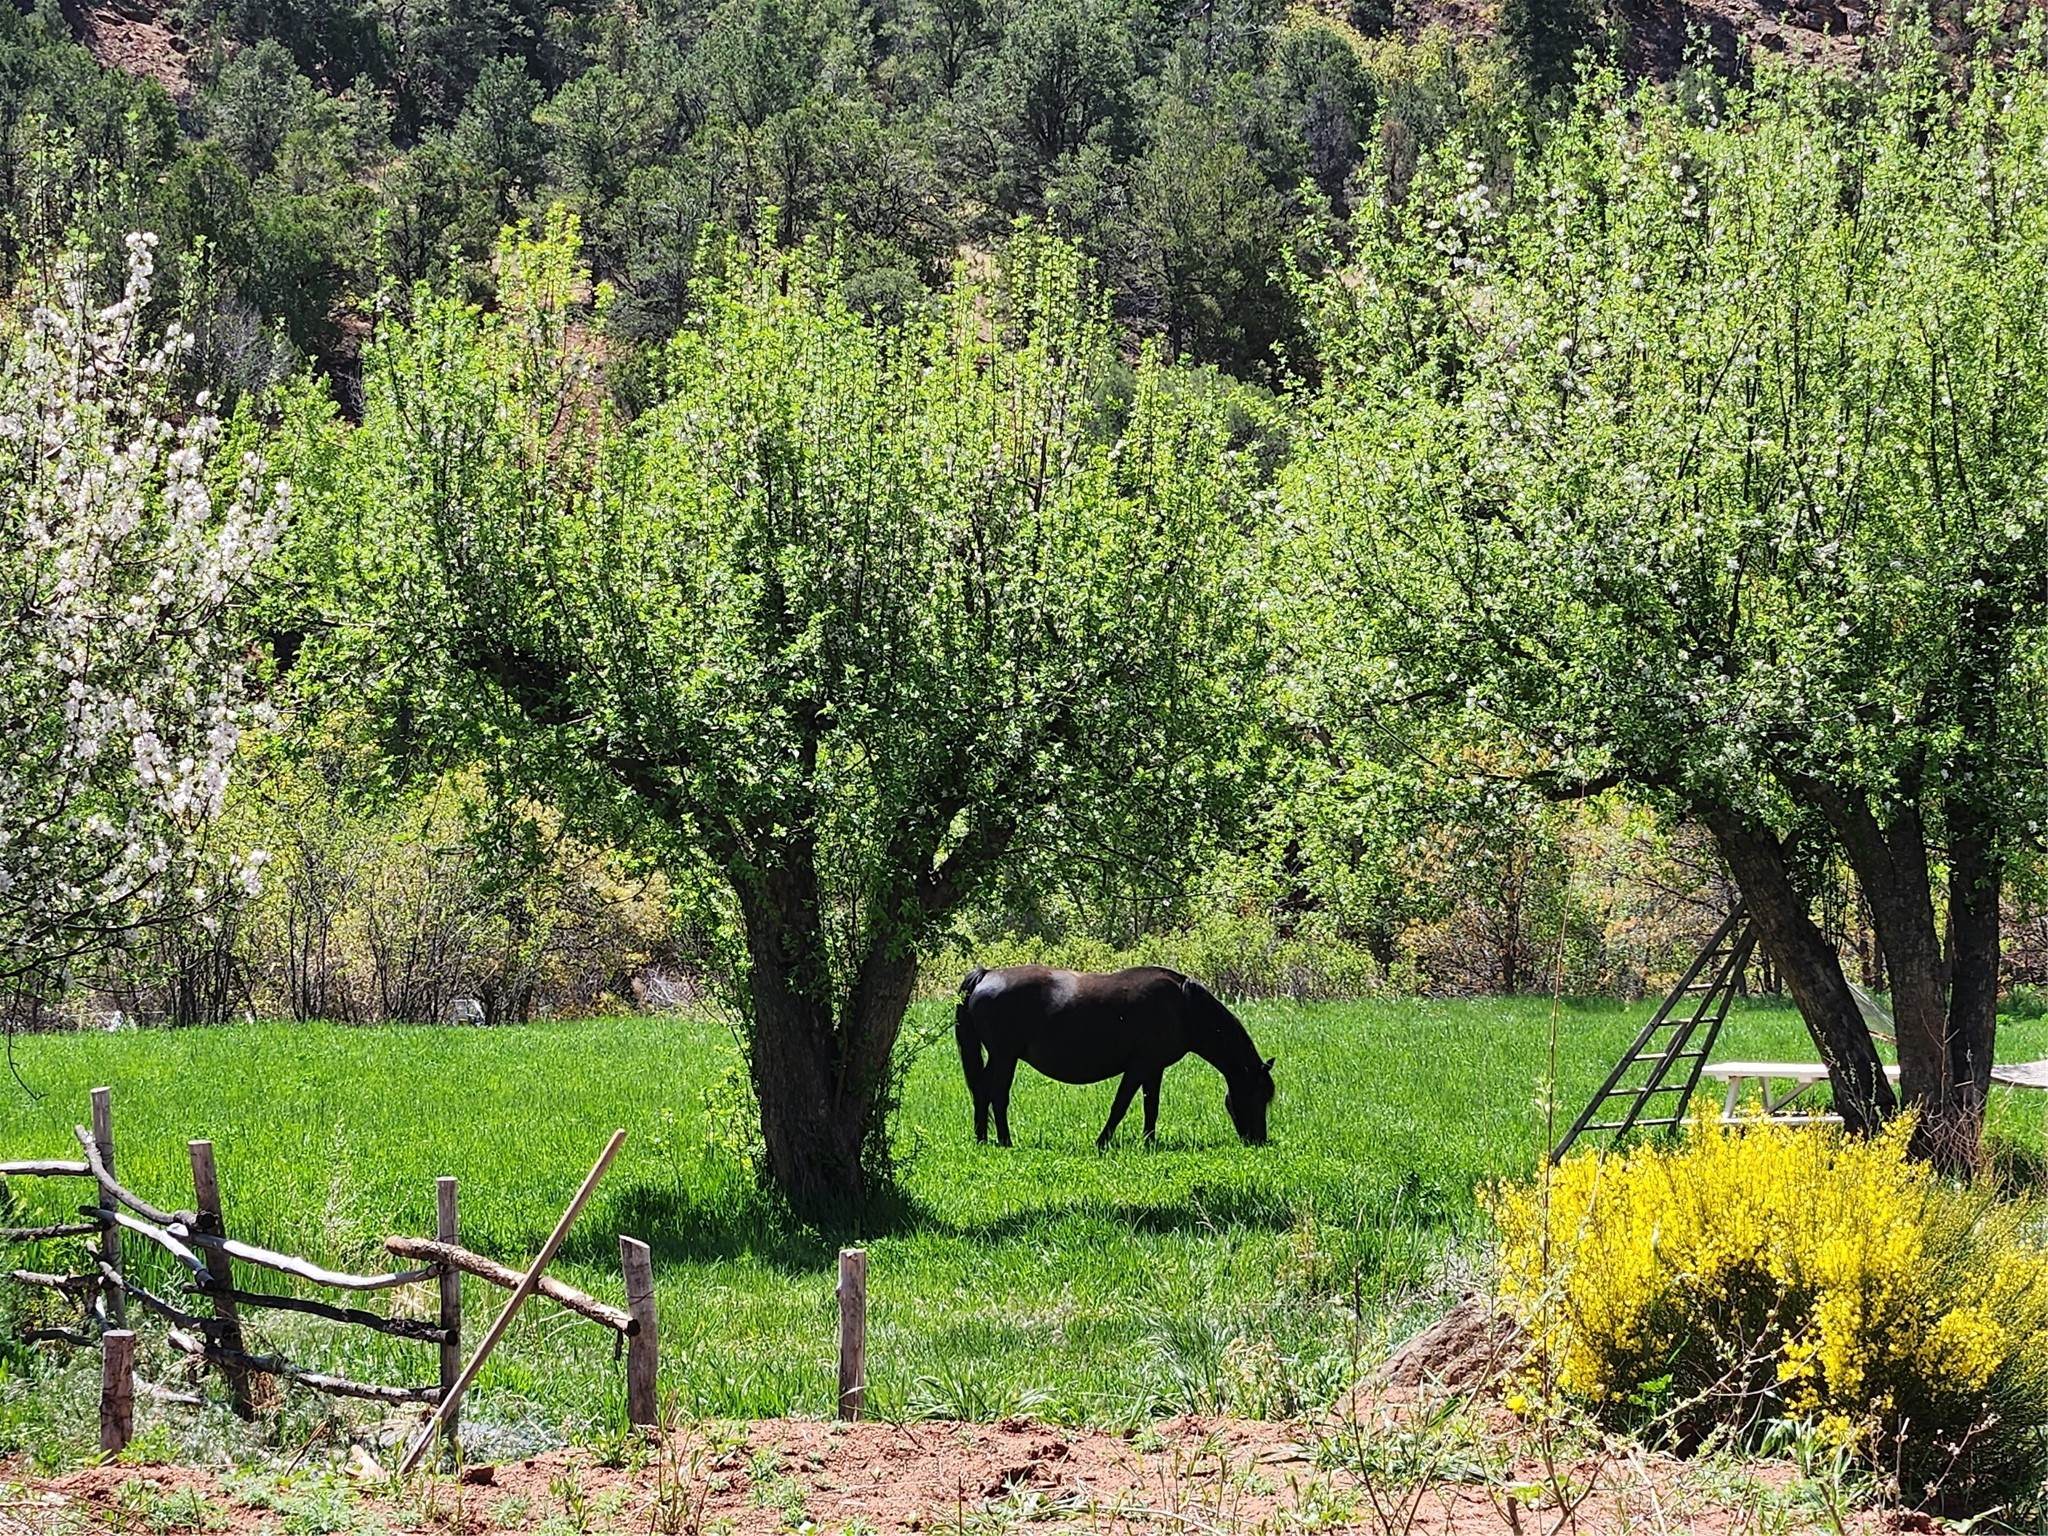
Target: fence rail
{"points": [[566, 1296], [197, 1241]]}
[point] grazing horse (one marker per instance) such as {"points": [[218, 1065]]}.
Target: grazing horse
{"points": [[1082, 1027]]}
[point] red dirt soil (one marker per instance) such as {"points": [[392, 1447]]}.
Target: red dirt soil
{"points": [[1209, 1476], [133, 35]]}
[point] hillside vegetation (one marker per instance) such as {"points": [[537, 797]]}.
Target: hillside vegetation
{"points": [[321, 152]]}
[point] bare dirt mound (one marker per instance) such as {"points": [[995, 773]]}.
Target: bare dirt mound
{"points": [[1471, 1352], [1217, 1477], [1469, 1349]]}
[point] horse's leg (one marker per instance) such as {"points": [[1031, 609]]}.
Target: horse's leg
{"points": [[1152, 1105], [971, 1064], [996, 1078], [1124, 1092]]}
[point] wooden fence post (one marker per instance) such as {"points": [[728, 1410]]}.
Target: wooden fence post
{"points": [[220, 1273], [528, 1284], [447, 1230], [117, 1390], [110, 1234], [853, 1330], [642, 1347]]}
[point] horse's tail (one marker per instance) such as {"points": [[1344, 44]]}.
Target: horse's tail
{"points": [[971, 1059]]}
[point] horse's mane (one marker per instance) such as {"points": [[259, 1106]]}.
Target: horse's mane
{"points": [[1210, 1013]]}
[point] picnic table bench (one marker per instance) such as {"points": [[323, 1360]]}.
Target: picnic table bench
{"points": [[1802, 1075]]}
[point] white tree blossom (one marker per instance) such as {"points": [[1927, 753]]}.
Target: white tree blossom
{"points": [[123, 690]]}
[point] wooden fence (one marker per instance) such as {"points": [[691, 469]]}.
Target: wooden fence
{"points": [[205, 1318]]}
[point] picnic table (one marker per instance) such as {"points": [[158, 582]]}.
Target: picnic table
{"points": [[1802, 1075]]}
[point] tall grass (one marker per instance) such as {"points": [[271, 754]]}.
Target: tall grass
{"points": [[1199, 1274]]}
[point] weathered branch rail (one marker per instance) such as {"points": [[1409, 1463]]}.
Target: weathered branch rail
{"points": [[566, 1296], [354, 1317], [182, 1231], [274, 1365], [300, 1269], [196, 1240], [65, 1283], [96, 1165], [175, 1316], [154, 1233]]}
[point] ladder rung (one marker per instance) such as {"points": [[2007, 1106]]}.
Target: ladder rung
{"points": [[1667, 1039], [1622, 1125]]}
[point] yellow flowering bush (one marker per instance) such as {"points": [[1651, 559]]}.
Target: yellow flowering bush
{"points": [[1760, 1272]]}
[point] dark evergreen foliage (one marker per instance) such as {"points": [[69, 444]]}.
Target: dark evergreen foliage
{"points": [[335, 148]]}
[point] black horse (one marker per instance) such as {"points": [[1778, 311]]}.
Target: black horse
{"points": [[1080, 1027]]}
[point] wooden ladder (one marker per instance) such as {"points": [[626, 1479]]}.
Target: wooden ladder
{"points": [[1673, 1046]]}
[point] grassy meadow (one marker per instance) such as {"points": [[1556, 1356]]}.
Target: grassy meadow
{"points": [[1049, 1280]]}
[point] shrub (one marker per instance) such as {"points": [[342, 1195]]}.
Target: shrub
{"points": [[1240, 955], [2023, 1002], [1758, 1273]]}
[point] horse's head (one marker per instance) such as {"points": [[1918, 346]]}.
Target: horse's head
{"points": [[1247, 1099], [1221, 1039]]}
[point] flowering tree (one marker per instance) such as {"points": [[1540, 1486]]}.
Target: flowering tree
{"points": [[1698, 453], [123, 692]]}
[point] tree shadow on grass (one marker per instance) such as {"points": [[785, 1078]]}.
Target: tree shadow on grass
{"points": [[734, 1223], [746, 1224]]}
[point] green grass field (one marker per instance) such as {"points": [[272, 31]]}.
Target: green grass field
{"points": [[1048, 1279]]}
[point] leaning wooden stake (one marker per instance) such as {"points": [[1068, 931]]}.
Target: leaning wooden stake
{"points": [[527, 1282], [447, 1230], [642, 1345], [117, 1390], [220, 1274], [110, 1233], [853, 1330]]}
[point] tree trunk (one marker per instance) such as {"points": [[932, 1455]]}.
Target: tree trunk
{"points": [[820, 1065], [874, 1016], [1808, 965], [1943, 1006], [1509, 969], [794, 1054], [1891, 866], [814, 1140], [1975, 885], [1953, 1129]]}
